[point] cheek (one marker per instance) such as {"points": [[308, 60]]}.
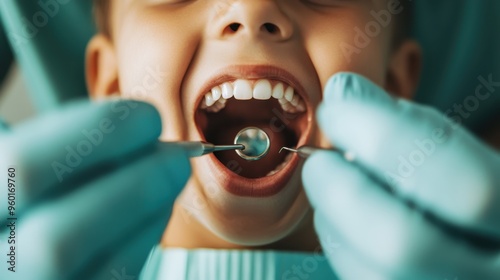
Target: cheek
{"points": [[334, 50], [328, 48], [148, 40], [152, 66]]}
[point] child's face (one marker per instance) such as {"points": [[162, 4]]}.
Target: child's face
{"points": [[171, 53]]}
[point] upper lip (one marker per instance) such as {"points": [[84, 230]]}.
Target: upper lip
{"points": [[252, 72]]}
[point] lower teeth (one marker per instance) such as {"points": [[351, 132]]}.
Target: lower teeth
{"points": [[281, 165]]}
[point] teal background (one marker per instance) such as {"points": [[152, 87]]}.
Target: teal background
{"points": [[461, 41]]}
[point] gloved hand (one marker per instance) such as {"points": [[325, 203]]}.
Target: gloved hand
{"points": [[445, 198], [92, 189]]}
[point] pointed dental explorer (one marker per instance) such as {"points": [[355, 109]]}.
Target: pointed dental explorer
{"points": [[306, 151], [200, 148]]}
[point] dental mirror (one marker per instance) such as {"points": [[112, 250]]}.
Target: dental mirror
{"points": [[256, 143]]}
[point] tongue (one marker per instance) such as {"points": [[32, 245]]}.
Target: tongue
{"points": [[251, 169]]}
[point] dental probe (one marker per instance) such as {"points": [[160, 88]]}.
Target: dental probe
{"points": [[306, 151], [200, 148], [251, 144]]}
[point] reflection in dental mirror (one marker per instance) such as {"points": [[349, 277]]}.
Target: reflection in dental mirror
{"points": [[256, 143]]}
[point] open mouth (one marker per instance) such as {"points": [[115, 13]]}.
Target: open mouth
{"points": [[271, 100]]}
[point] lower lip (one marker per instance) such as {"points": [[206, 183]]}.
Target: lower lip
{"points": [[266, 186], [226, 176], [258, 187]]}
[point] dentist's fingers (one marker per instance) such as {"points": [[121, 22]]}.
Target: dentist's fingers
{"points": [[345, 261], [56, 148], [384, 231], [416, 150], [61, 236]]}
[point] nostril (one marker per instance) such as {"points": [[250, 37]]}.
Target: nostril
{"points": [[271, 28], [234, 26]]}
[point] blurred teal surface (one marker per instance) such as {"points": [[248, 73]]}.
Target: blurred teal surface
{"points": [[49, 42], [5, 53]]}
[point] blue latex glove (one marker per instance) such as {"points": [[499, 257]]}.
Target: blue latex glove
{"points": [[99, 216], [368, 232]]}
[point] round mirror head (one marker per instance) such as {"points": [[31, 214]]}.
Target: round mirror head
{"points": [[256, 143]]}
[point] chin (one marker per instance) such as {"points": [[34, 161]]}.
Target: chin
{"points": [[247, 221]]}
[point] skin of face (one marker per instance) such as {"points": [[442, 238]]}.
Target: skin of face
{"points": [[162, 51]]}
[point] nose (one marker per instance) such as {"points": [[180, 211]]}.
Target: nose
{"points": [[255, 18]]}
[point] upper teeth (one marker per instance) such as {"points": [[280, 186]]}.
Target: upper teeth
{"points": [[215, 100]]}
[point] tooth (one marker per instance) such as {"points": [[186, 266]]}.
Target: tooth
{"points": [[203, 105], [281, 166], [271, 173], [283, 101], [220, 102], [216, 93], [219, 106], [216, 107], [227, 90], [289, 94], [242, 90], [287, 107], [301, 107], [209, 100], [278, 91], [295, 100], [262, 90]]}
